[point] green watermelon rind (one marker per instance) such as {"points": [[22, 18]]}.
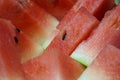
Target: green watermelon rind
{"points": [[117, 2], [80, 59]]}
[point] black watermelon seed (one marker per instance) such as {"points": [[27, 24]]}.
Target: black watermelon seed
{"points": [[64, 36], [16, 39], [17, 30]]}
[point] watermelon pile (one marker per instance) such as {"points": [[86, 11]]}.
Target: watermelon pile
{"points": [[59, 40]]}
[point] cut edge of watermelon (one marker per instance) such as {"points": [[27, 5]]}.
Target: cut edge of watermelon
{"points": [[103, 72], [80, 59], [46, 43], [85, 60]]}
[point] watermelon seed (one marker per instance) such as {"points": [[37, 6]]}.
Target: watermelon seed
{"points": [[16, 39], [18, 30], [64, 36]]}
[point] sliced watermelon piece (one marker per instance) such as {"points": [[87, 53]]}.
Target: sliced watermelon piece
{"points": [[52, 65], [10, 66], [97, 8], [30, 18], [57, 8], [108, 32], [106, 66], [75, 31], [28, 49]]}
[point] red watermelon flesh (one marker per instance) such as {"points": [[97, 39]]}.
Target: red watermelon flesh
{"points": [[3, 74], [28, 49], [106, 66], [10, 68], [75, 31], [57, 8], [30, 18], [108, 32], [52, 65], [96, 7]]}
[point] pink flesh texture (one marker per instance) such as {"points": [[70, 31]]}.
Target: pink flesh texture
{"points": [[28, 49], [10, 66], [52, 65], [30, 18], [106, 65], [57, 8], [15, 48], [97, 8], [108, 32], [75, 31], [24, 19]]}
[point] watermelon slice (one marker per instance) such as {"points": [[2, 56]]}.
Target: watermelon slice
{"points": [[108, 32], [30, 18], [28, 49], [75, 31], [57, 8], [96, 7], [106, 66], [52, 65], [10, 66]]}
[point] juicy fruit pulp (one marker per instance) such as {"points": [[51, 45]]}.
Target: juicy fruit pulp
{"points": [[10, 68], [30, 18], [99, 38], [106, 65], [97, 8], [20, 51], [75, 31], [52, 65], [27, 49], [57, 8]]}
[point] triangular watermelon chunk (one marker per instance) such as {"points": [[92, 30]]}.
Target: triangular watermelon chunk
{"points": [[52, 65], [30, 18], [106, 66], [108, 32], [75, 31], [10, 66], [27, 49], [96, 7]]}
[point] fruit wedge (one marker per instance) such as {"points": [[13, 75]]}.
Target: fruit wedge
{"points": [[108, 32], [57, 8], [27, 49], [75, 31], [96, 7], [106, 66], [10, 66], [30, 18], [52, 65]]}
